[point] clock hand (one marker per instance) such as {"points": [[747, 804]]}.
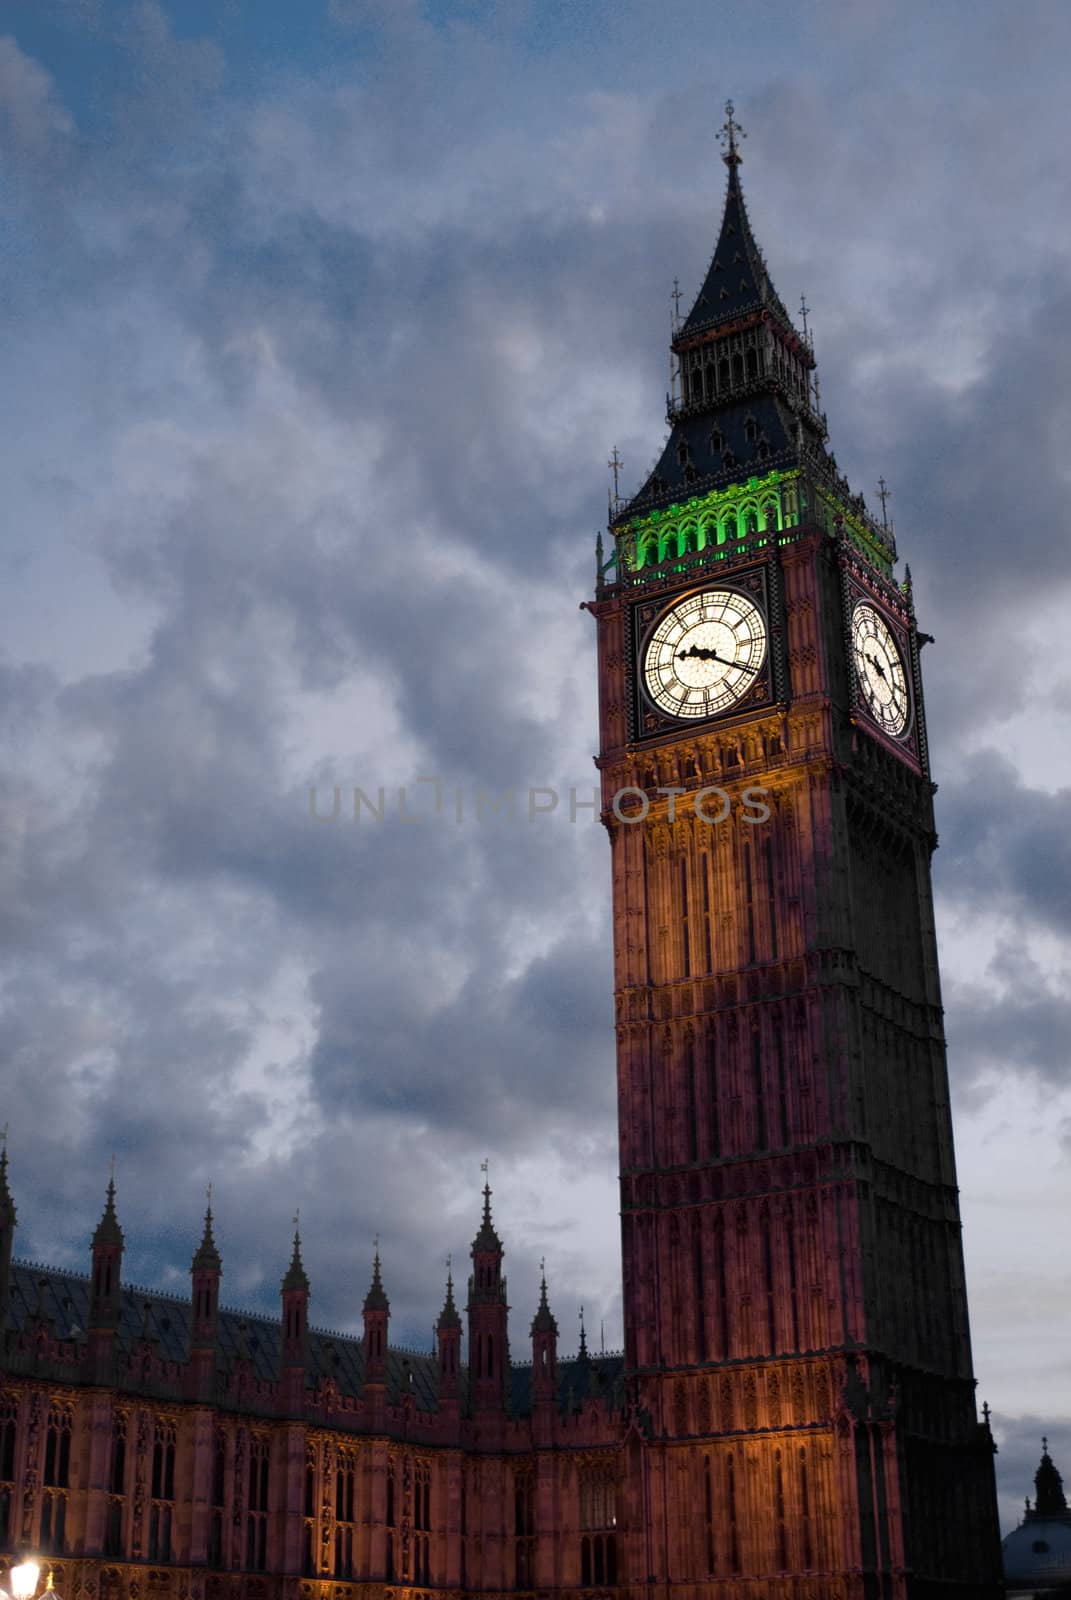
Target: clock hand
{"points": [[699, 653], [874, 662]]}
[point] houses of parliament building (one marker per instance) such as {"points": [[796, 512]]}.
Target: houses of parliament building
{"points": [[794, 1415]]}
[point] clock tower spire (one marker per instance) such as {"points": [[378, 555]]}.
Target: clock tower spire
{"points": [[795, 1307]]}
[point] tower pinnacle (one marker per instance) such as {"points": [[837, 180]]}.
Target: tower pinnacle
{"points": [[295, 1274], [376, 1298], [108, 1230]]}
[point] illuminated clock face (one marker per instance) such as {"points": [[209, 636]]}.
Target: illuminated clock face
{"points": [[880, 668], [705, 653]]}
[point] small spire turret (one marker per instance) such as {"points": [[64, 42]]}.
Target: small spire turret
{"points": [[296, 1277], [1049, 1500], [206, 1257], [544, 1348], [448, 1333], [376, 1321], [488, 1314], [206, 1269], [543, 1321], [295, 1296], [449, 1316], [376, 1298], [105, 1294], [108, 1231]]}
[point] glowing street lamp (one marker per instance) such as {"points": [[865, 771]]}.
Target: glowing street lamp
{"points": [[23, 1580]]}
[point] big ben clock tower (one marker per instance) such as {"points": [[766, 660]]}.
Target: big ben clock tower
{"points": [[797, 1344]]}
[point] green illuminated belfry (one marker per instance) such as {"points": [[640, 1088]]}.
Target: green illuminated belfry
{"points": [[746, 455]]}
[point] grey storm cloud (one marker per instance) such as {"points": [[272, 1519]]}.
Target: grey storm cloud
{"points": [[311, 387]]}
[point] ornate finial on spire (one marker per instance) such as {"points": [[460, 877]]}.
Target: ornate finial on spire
{"points": [[676, 297], [583, 1352], [615, 464], [804, 311], [1044, 1445], [729, 132], [884, 495], [986, 1413]]}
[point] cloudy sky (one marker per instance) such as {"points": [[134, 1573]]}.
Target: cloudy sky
{"points": [[318, 325]]}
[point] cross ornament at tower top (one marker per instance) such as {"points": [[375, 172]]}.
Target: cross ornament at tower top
{"points": [[728, 133], [884, 494]]}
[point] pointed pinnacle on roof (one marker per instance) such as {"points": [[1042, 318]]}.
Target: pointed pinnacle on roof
{"points": [[376, 1298], [295, 1273], [582, 1353], [487, 1238], [448, 1316], [543, 1321], [737, 281], [108, 1230], [207, 1256]]}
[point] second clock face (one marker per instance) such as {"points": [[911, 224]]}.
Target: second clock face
{"points": [[880, 669], [704, 653]]}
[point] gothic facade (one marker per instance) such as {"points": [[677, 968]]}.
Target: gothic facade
{"points": [[794, 1416]]}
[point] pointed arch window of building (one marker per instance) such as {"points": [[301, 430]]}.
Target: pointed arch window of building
{"points": [[724, 373], [717, 441], [219, 1499], [422, 1522], [752, 363], [728, 461], [56, 1478], [161, 1511], [708, 1513], [805, 1513], [256, 1530], [598, 1524], [684, 454], [686, 944], [779, 1512], [524, 1528], [113, 1529], [734, 1536], [751, 429]]}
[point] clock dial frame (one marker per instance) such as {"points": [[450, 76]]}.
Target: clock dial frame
{"points": [[704, 654], [880, 670]]}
